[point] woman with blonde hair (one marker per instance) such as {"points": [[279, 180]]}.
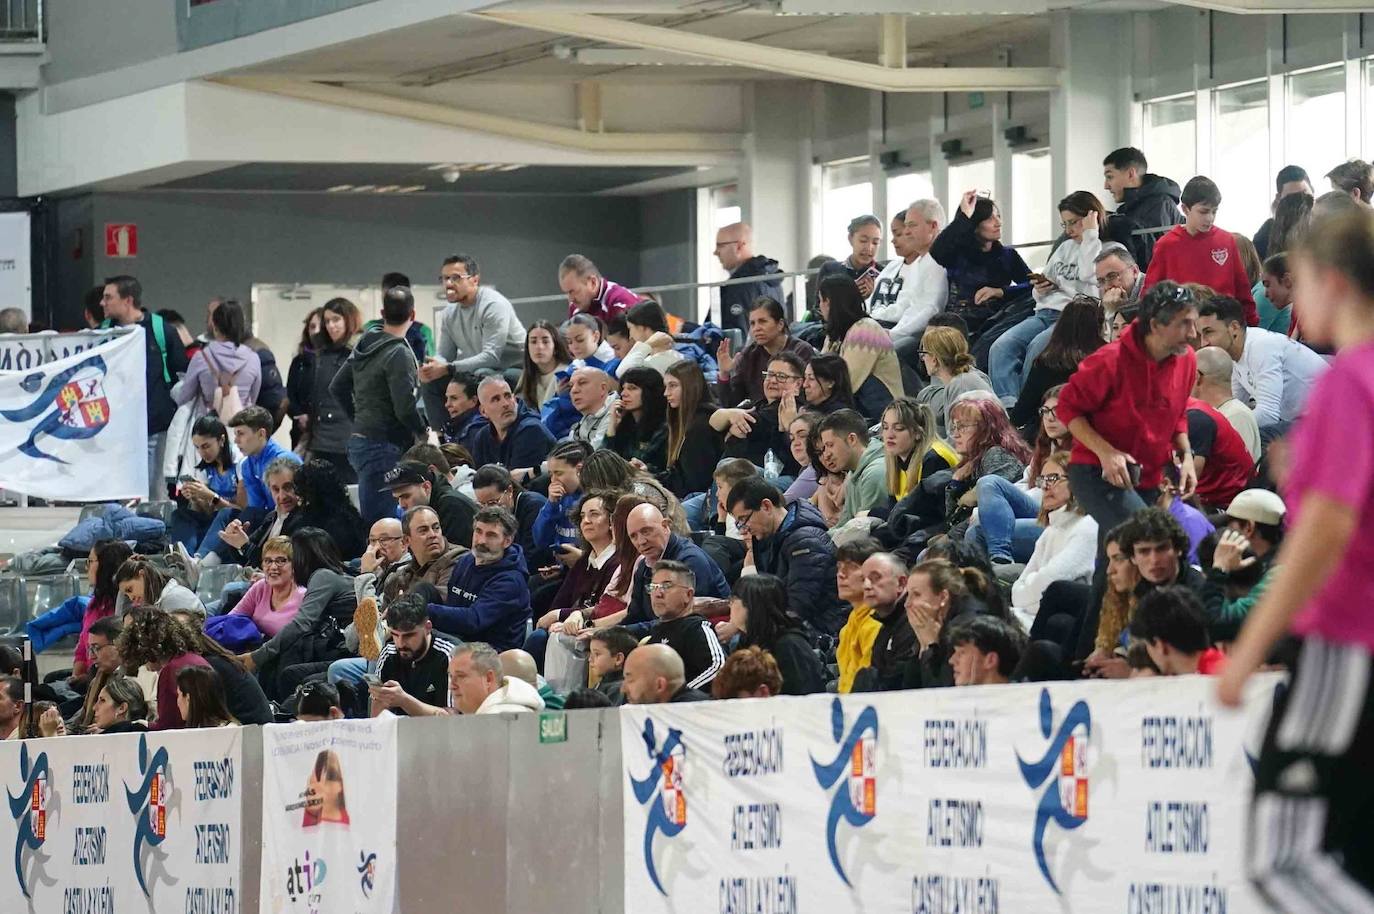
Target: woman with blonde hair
{"points": [[913, 449], [945, 354]]}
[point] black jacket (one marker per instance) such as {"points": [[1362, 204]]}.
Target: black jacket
{"points": [[930, 669], [378, 387], [161, 407], [696, 643], [765, 436], [802, 673], [696, 461], [735, 300], [893, 650], [271, 391], [243, 696], [329, 422], [455, 511], [803, 555], [1151, 205], [1188, 576]]}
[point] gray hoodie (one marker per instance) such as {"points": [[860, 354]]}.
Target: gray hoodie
{"points": [[485, 334], [377, 387]]}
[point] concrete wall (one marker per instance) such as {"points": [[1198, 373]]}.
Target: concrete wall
{"points": [[84, 38], [667, 254], [192, 246]]}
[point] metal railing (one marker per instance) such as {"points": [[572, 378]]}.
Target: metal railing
{"points": [[22, 21]]}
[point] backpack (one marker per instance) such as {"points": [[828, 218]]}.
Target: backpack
{"points": [[227, 402], [159, 336]]}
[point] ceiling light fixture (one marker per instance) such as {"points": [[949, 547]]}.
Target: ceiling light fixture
{"points": [[340, 188]]}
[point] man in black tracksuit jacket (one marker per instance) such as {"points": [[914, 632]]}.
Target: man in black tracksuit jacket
{"points": [[1144, 201]]}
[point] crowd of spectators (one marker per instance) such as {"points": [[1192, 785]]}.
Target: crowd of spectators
{"points": [[954, 471]]}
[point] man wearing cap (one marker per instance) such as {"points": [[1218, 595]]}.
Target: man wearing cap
{"points": [[1243, 562], [412, 485]]}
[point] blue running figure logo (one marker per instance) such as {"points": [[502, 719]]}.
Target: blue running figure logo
{"points": [[667, 807], [1065, 800], [855, 802]]}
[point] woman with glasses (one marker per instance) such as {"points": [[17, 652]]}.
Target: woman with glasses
{"points": [[944, 353], [875, 375], [1067, 544], [1071, 271], [1076, 335], [987, 446], [753, 430], [274, 599], [1006, 527]]}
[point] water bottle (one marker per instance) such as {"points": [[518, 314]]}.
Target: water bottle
{"points": [[772, 466]]}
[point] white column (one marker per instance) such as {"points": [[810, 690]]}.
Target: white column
{"points": [[775, 176], [1002, 170], [1088, 118], [939, 167]]}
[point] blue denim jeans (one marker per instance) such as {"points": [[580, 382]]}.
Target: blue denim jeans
{"points": [[1008, 354], [210, 538], [1033, 351], [1001, 508], [372, 459], [189, 527], [349, 669]]}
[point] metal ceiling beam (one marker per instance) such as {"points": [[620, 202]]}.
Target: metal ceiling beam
{"points": [[798, 64], [1275, 7], [500, 125]]}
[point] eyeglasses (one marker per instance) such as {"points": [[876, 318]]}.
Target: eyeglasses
{"points": [[1050, 411], [666, 586], [1067, 224], [742, 522], [923, 351], [453, 280], [721, 244], [1110, 278], [275, 560], [780, 376], [1049, 479], [378, 540], [960, 427]]}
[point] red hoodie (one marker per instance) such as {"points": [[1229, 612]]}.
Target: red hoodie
{"points": [[1131, 400], [1209, 258]]}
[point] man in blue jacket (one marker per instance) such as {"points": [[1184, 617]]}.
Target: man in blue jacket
{"points": [[791, 542], [488, 595], [514, 437], [654, 539]]}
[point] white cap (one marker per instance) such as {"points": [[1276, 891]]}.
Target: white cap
{"points": [[1258, 505]]}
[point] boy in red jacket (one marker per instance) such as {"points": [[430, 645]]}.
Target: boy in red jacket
{"points": [[1199, 252]]}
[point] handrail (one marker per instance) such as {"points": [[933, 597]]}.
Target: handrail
{"points": [[682, 286]]}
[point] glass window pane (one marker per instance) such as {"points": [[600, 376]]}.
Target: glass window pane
{"points": [[1034, 218], [1368, 116], [846, 193], [977, 175], [1240, 147], [904, 190], [1315, 118], [1171, 137]]}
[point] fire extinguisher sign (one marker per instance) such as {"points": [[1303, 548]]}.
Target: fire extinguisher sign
{"points": [[121, 239]]}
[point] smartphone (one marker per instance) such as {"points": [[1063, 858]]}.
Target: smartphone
{"points": [[371, 679], [1040, 277], [872, 271], [185, 479], [1133, 470]]}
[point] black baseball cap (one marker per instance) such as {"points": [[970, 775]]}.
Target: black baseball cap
{"points": [[405, 473]]}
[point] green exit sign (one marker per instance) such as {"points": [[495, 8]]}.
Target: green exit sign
{"points": [[553, 728], [976, 100]]}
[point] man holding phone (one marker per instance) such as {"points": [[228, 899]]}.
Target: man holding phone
{"points": [[412, 671]]}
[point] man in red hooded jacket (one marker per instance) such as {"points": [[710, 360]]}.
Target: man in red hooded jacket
{"points": [[1126, 408]]}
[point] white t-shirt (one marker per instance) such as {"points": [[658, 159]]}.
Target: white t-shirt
{"points": [[909, 295]]}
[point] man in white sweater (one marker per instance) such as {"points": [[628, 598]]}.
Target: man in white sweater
{"points": [[1271, 369], [479, 332], [912, 288]]}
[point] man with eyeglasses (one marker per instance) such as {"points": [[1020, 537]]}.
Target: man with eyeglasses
{"points": [[735, 251], [653, 538], [386, 547], [1119, 278], [479, 332], [672, 591]]}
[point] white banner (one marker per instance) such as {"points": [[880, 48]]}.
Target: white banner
{"points": [[1062, 798], [147, 822], [329, 817], [16, 277], [76, 428]]}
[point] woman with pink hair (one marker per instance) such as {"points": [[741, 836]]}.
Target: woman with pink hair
{"points": [[987, 444]]}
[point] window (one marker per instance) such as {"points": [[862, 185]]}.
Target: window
{"points": [[1171, 137], [976, 175], [1034, 216], [1368, 117], [1315, 118], [1240, 151], [847, 193], [904, 190], [719, 208]]}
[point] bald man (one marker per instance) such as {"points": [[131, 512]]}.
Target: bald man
{"points": [[386, 546], [593, 396], [518, 664], [654, 676], [1214, 367], [653, 538], [735, 251]]}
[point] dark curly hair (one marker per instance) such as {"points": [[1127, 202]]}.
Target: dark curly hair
{"points": [[319, 487], [154, 636], [1154, 525]]}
